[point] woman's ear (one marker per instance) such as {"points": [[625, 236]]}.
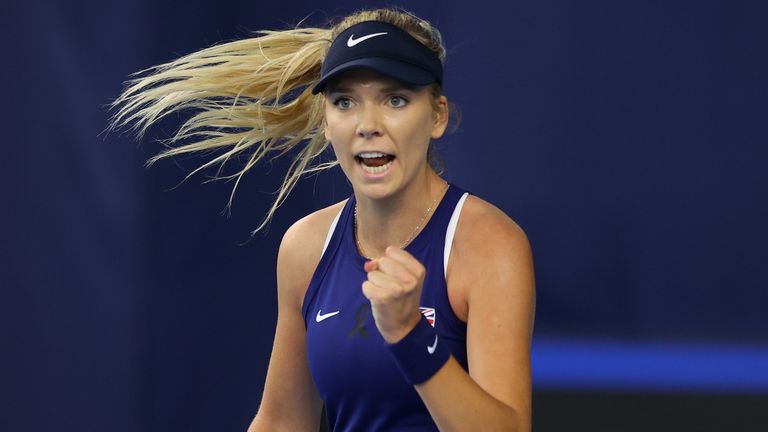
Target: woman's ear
{"points": [[441, 116], [326, 133]]}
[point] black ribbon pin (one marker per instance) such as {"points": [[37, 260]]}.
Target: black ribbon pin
{"points": [[361, 316]]}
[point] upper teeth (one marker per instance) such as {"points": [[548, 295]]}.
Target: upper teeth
{"points": [[366, 155]]}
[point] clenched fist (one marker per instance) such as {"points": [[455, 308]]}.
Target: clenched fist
{"points": [[394, 289]]}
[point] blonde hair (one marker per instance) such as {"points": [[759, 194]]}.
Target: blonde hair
{"points": [[251, 96]]}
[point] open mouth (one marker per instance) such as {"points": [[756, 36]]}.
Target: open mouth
{"points": [[374, 162]]}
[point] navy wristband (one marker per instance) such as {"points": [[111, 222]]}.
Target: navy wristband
{"points": [[421, 353]]}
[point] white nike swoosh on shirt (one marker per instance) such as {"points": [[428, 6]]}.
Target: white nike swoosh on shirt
{"points": [[431, 349], [321, 317], [352, 41]]}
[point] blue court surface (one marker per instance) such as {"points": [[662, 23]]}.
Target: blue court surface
{"points": [[606, 365]]}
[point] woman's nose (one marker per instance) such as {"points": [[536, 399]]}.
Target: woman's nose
{"points": [[368, 124]]}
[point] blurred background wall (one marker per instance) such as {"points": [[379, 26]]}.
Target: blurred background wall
{"points": [[628, 139]]}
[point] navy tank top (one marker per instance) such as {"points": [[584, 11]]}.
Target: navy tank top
{"points": [[356, 377]]}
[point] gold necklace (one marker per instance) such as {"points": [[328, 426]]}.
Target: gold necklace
{"points": [[413, 233]]}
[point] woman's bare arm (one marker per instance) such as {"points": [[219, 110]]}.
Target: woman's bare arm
{"points": [[492, 266], [290, 401]]}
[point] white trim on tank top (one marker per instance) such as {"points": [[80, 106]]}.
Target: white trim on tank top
{"points": [[330, 231], [449, 233]]}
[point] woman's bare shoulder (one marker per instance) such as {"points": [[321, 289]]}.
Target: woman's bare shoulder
{"points": [[486, 236], [482, 221], [488, 246], [312, 229], [301, 248]]}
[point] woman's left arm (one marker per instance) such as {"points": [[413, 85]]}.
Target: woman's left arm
{"points": [[492, 269], [493, 265]]}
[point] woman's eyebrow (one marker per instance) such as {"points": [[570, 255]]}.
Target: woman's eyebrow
{"points": [[398, 88], [390, 88], [338, 89]]}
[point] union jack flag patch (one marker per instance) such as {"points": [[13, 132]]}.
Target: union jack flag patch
{"points": [[429, 314]]}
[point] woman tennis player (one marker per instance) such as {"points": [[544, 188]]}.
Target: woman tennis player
{"points": [[408, 306]]}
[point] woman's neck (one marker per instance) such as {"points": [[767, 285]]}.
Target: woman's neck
{"points": [[398, 219]]}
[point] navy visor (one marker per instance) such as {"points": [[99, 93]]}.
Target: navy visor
{"points": [[385, 48]]}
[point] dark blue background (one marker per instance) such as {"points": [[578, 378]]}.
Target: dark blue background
{"points": [[627, 139]]}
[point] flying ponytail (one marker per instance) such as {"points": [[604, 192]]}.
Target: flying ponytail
{"points": [[249, 97]]}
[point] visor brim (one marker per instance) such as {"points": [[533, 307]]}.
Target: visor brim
{"points": [[401, 71]]}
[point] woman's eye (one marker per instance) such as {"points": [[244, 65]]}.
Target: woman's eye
{"points": [[398, 101], [342, 103]]}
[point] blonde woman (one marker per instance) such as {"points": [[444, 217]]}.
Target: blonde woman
{"points": [[408, 306]]}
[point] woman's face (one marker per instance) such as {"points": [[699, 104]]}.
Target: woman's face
{"points": [[380, 130]]}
